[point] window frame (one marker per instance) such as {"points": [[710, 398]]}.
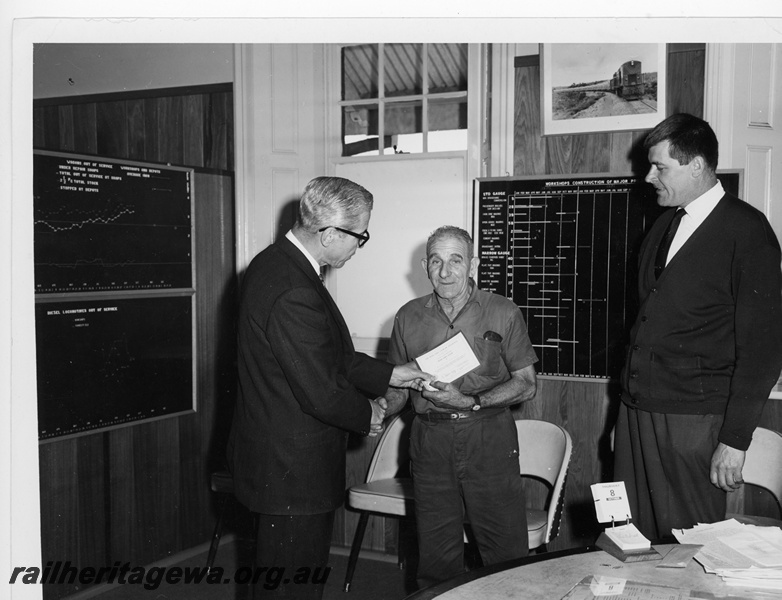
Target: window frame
{"points": [[472, 96]]}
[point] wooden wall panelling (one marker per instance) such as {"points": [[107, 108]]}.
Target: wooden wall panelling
{"points": [[157, 474], [92, 486], [67, 132], [85, 128], [193, 122], [219, 141], [152, 151], [203, 445], [51, 126], [584, 153], [685, 79], [39, 127], [529, 157], [112, 129], [59, 519], [73, 522], [124, 534], [134, 113], [171, 129]]}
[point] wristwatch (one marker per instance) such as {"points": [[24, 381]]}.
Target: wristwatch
{"points": [[477, 399]]}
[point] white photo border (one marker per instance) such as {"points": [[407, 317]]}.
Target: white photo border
{"points": [[598, 124]]}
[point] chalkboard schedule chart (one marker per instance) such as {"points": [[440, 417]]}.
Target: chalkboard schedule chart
{"points": [[565, 250]]}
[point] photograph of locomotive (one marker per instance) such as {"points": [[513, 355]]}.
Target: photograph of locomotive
{"points": [[628, 81], [601, 87]]}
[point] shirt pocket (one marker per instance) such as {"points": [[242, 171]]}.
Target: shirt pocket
{"points": [[489, 354]]}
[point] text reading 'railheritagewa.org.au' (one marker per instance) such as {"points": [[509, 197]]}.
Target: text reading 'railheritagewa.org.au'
{"points": [[150, 578]]}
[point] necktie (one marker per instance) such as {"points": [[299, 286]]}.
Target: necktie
{"points": [[665, 243]]}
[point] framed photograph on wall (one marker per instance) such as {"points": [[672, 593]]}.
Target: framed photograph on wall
{"points": [[589, 88]]}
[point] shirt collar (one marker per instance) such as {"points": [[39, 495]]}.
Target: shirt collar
{"points": [[701, 207], [295, 241]]}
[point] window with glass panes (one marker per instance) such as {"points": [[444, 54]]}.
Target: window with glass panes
{"points": [[403, 98]]}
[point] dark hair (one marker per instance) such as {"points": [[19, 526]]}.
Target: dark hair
{"points": [[332, 201], [450, 231], [688, 137]]}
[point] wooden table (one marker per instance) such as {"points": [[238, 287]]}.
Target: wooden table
{"points": [[550, 576]]}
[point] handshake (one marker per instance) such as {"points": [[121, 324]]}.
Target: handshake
{"points": [[379, 407], [403, 376]]}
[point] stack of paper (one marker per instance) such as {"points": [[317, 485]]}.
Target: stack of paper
{"points": [[627, 537], [746, 555]]}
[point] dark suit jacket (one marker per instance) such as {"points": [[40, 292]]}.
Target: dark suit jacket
{"points": [[299, 382], [708, 337]]}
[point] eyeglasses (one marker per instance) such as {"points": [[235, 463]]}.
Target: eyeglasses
{"points": [[363, 238]]}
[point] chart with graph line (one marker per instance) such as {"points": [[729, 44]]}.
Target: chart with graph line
{"points": [[105, 225]]}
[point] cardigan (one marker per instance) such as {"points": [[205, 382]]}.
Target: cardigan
{"points": [[708, 335]]}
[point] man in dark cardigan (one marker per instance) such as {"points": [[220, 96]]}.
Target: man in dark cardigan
{"points": [[706, 347]]}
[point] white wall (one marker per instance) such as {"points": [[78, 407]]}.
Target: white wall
{"points": [[79, 69]]}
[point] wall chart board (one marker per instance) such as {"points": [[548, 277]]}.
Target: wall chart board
{"points": [[564, 249], [102, 225], [114, 291]]}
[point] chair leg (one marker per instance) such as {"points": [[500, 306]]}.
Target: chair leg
{"points": [[356, 548], [218, 533]]}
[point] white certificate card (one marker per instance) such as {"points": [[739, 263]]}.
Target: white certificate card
{"points": [[450, 360]]}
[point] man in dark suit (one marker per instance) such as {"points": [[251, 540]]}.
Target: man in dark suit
{"points": [[302, 388], [706, 347]]}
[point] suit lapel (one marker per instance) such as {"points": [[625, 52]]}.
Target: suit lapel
{"points": [[301, 263]]}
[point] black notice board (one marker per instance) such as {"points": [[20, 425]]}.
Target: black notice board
{"points": [[107, 362], [114, 290], [564, 249], [107, 225]]}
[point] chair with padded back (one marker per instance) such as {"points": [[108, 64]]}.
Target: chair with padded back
{"points": [[545, 450], [763, 468], [544, 453], [388, 488]]}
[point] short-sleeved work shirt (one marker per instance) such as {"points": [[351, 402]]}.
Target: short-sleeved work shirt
{"points": [[421, 325]]}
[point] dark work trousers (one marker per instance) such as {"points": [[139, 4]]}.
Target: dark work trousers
{"points": [[294, 550], [664, 460], [466, 466]]}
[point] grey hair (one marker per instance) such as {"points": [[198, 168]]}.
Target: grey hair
{"points": [[450, 231], [333, 201]]}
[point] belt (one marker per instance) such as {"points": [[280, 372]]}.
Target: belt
{"points": [[458, 415]]}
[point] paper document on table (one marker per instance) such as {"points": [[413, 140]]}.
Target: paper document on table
{"points": [[745, 555], [764, 547], [593, 587], [450, 360]]}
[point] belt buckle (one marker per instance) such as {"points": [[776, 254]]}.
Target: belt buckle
{"points": [[459, 415]]}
